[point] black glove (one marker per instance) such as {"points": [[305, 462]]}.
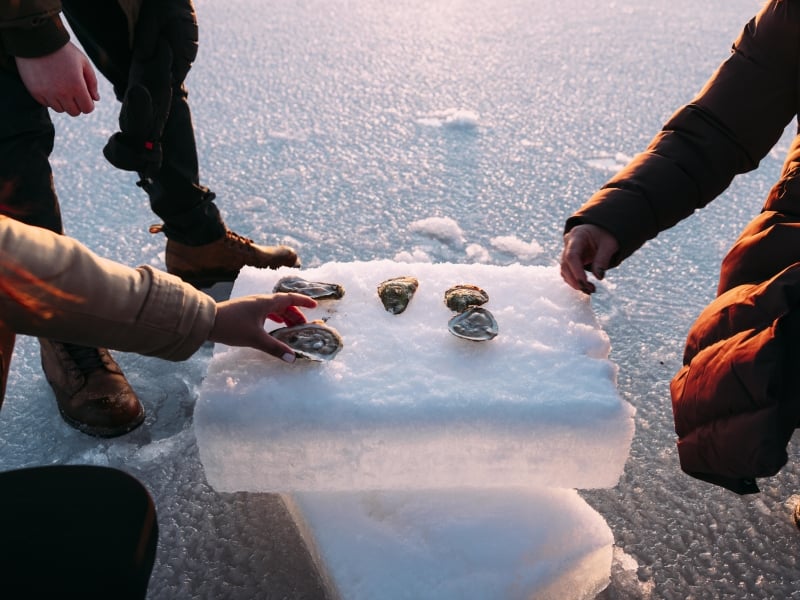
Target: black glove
{"points": [[164, 47]]}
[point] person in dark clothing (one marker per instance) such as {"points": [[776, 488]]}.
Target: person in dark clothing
{"points": [[144, 48]]}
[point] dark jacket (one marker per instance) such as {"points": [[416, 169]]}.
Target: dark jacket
{"points": [[734, 411], [32, 28]]}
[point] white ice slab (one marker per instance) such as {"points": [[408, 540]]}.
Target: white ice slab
{"points": [[406, 405], [446, 545]]}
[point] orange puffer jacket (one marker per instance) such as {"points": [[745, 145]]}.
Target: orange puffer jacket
{"points": [[736, 401]]}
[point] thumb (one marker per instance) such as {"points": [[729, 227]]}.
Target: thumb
{"points": [[266, 343], [602, 260]]}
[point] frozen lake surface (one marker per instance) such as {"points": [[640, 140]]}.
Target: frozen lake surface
{"points": [[357, 130]]}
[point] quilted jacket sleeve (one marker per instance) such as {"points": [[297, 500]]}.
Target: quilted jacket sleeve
{"points": [[86, 299], [725, 130], [735, 399]]}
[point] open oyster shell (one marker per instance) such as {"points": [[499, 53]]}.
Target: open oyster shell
{"points": [[461, 297], [476, 324], [314, 340], [396, 293], [314, 289]]}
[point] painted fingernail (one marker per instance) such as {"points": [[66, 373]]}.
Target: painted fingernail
{"points": [[289, 357]]}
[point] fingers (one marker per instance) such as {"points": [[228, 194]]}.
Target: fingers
{"points": [[293, 316], [284, 308], [91, 82], [587, 247], [63, 80], [82, 102], [80, 105], [602, 260], [577, 251]]}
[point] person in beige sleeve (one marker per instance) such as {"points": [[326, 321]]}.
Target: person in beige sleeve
{"points": [[53, 286]]}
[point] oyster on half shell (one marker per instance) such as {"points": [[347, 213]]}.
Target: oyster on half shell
{"points": [[463, 296], [314, 340], [476, 324], [396, 293], [314, 289]]}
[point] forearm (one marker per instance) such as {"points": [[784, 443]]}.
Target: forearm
{"points": [[94, 301]]}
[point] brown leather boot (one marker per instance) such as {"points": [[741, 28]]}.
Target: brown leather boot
{"points": [[91, 391], [223, 259]]}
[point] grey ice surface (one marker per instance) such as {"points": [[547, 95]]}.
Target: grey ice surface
{"points": [[324, 123]]}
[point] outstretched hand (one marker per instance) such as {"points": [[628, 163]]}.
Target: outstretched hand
{"points": [[586, 247], [63, 80], [240, 322]]}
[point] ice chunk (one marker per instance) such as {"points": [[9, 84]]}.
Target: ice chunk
{"points": [[407, 405], [451, 545]]}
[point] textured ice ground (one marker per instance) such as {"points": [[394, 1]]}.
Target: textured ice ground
{"points": [[325, 123]]}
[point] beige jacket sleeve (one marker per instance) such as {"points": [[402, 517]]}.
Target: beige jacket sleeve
{"points": [[94, 301]]}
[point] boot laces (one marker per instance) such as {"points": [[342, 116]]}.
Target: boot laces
{"points": [[239, 242], [85, 359]]}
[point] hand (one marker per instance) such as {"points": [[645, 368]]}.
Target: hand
{"points": [[586, 247], [240, 322], [64, 80]]}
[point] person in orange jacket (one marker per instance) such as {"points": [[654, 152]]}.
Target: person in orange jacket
{"points": [[735, 398]]}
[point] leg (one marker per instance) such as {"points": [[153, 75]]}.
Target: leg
{"points": [[176, 195], [200, 248], [91, 392], [26, 141]]}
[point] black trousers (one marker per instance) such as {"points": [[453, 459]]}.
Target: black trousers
{"points": [[72, 531], [27, 191]]}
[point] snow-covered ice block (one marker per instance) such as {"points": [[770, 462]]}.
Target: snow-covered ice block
{"points": [[406, 404], [448, 545]]}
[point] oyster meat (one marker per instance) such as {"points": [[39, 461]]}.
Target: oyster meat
{"points": [[476, 324], [397, 292], [463, 296], [314, 340], [314, 289]]}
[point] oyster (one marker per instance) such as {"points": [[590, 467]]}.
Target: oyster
{"points": [[314, 289], [314, 340], [397, 292], [463, 296], [476, 324]]}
